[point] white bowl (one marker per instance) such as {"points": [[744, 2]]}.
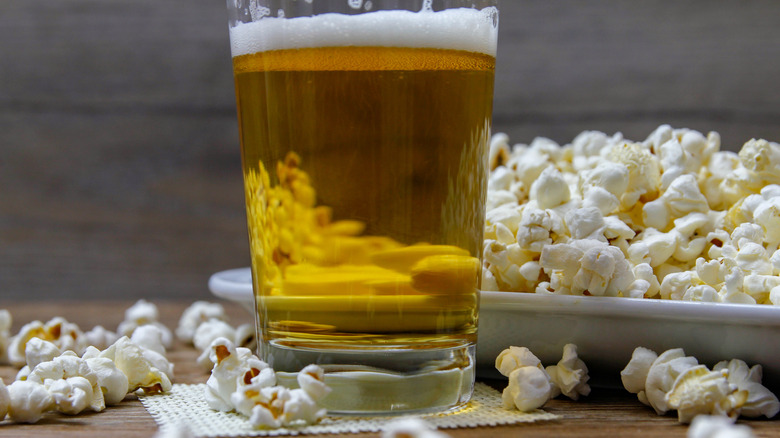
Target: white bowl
{"points": [[606, 330]]}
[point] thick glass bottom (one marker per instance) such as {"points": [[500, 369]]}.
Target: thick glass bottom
{"points": [[384, 382]]}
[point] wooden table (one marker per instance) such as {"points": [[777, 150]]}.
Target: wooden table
{"points": [[605, 413]]}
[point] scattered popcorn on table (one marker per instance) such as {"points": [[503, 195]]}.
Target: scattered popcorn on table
{"points": [[112, 381], [142, 313], [65, 335], [146, 370], [531, 385], [760, 400], [196, 314], [70, 396], [28, 401], [411, 428], [717, 426], [672, 217], [243, 383], [100, 337], [673, 381], [570, 375], [529, 388]]}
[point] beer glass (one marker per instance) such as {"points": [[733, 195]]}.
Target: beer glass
{"points": [[364, 129]]}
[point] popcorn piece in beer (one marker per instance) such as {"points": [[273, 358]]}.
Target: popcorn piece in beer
{"points": [[142, 313], [404, 259], [570, 375], [446, 274], [699, 391], [196, 314], [28, 401]]}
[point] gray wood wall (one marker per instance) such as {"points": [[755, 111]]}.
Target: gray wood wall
{"points": [[119, 161]]}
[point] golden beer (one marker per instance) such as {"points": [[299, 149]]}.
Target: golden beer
{"points": [[365, 172]]}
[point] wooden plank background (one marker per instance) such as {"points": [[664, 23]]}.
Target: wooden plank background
{"points": [[119, 161]]}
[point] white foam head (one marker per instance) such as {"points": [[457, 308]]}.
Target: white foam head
{"points": [[457, 29]]}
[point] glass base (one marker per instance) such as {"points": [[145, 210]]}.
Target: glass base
{"points": [[385, 382]]}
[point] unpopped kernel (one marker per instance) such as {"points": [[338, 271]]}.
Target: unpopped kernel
{"points": [[666, 210]]}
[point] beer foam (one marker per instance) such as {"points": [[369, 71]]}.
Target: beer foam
{"points": [[456, 29]]}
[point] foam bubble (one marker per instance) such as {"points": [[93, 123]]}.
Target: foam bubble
{"points": [[457, 29]]}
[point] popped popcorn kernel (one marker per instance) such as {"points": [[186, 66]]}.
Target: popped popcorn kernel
{"points": [[144, 313], [196, 314], [411, 428], [570, 374], [673, 381], [28, 401]]}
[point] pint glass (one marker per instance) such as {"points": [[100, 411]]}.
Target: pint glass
{"points": [[364, 127]]}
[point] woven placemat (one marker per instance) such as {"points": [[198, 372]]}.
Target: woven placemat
{"points": [[186, 405]]}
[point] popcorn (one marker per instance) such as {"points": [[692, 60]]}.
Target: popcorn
{"points": [[142, 313], [634, 375], [28, 401], [231, 368], [673, 381], [529, 388], [5, 400], [570, 375], [760, 400], [37, 350], [112, 381], [196, 314], [60, 332], [666, 203], [550, 189], [242, 382], [662, 375], [145, 369], [513, 358], [5, 336], [410, 428], [586, 267], [699, 391], [717, 426], [72, 396], [149, 337], [99, 337]]}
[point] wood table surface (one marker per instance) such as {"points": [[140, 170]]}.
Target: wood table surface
{"points": [[604, 413]]}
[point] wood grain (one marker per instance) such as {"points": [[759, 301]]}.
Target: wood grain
{"points": [[604, 413]]}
